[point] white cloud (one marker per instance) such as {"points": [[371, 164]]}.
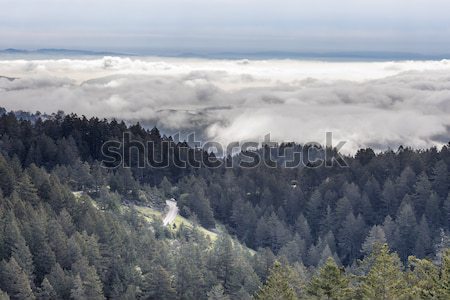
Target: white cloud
{"points": [[379, 104]]}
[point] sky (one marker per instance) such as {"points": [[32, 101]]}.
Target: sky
{"points": [[202, 26]]}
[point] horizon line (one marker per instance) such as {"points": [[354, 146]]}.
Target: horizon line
{"points": [[263, 54]]}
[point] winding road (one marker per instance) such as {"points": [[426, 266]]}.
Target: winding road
{"points": [[172, 213]]}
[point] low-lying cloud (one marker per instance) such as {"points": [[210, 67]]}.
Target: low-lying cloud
{"points": [[378, 104]]}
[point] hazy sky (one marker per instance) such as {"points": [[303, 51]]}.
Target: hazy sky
{"points": [[420, 26]]}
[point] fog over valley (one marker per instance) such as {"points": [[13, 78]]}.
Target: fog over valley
{"points": [[376, 104]]}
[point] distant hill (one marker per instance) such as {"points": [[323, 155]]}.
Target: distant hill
{"points": [[351, 55], [329, 56], [8, 78], [27, 116], [60, 52]]}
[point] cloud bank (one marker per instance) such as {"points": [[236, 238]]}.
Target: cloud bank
{"points": [[377, 104]]}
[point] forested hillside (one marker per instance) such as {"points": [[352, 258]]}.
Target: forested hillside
{"points": [[378, 229]]}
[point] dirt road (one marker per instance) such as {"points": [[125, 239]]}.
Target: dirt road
{"points": [[172, 213]]}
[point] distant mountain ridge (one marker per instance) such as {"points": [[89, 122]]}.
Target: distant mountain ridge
{"points": [[60, 52], [32, 117], [343, 55], [8, 78], [356, 55]]}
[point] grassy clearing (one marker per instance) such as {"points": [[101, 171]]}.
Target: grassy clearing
{"points": [[81, 195], [150, 214]]}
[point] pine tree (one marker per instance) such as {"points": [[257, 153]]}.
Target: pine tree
{"points": [[376, 236], [326, 253], [422, 194], [423, 278], [330, 240], [390, 231], [78, 292], [405, 182], [278, 234], [7, 176], [445, 212], [246, 277], [350, 237], [293, 250], [15, 245], [190, 281], [298, 279], [67, 151], [43, 256], [343, 209], [313, 256], [373, 190], [364, 156], [199, 204], [26, 189], [352, 193], [263, 262], [92, 286], [131, 293], [14, 280], [223, 264], [329, 283], [108, 201], [444, 282], [4, 296], [385, 280], [60, 281], [46, 292], [432, 211], [388, 198], [326, 224], [158, 285], [407, 230], [65, 219], [440, 178], [303, 229], [217, 293], [365, 209], [58, 243], [166, 187], [277, 285], [423, 246], [244, 219], [314, 210]]}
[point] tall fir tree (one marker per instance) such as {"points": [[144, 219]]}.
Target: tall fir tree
{"points": [[406, 230], [277, 285], [46, 291], [423, 246], [14, 281], [423, 278], [92, 286], [158, 285], [77, 292], [329, 283], [15, 245], [217, 293], [444, 282], [385, 280]]}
